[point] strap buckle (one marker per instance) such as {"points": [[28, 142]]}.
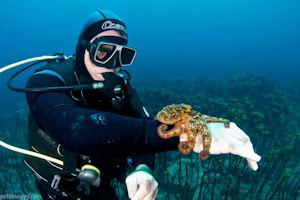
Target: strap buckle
{"points": [[55, 182]]}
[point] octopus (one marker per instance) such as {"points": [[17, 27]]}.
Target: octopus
{"points": [[184, 120]]}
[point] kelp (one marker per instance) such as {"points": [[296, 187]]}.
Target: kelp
{"points": [[267, 111]]}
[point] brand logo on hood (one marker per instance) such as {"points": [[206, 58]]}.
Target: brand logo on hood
{"points": [[111, 25]]}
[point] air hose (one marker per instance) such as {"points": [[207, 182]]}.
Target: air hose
{"points": [[17, 149], [41, 58], [59, 57], [31, 153]]}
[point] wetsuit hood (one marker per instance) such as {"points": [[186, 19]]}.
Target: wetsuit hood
{"points": [[97, 22]]}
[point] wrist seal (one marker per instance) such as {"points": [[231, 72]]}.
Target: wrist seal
{"points": [[144, 168]]}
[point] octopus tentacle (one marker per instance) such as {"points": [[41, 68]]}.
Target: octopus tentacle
{"points": [[187, 146], [189, 122], [184, 147], [191, 141], [164, 134], [204, 155], [210, 119], [206, 138]]}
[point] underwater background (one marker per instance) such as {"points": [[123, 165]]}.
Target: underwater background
{"points": [[235, 59]]}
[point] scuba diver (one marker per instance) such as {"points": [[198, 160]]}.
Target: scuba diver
{"points": [[105, 132]]}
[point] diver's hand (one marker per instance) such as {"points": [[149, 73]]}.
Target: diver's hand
{"points": [[141, 185], [229, 140]]}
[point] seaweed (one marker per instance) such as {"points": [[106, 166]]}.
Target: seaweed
{"points": [[267, 111], [16, 181]]}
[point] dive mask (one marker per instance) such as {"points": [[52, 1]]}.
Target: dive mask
{"points": [[111, 52]]}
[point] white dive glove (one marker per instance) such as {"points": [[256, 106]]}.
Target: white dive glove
{"points": [[228, 140], [141, 185], [193, 128]]}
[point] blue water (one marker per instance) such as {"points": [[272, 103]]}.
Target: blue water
{"points": [[211, 38], [215, 38]]}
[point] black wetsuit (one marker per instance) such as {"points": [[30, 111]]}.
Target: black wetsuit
{"points": [[87, 125]]}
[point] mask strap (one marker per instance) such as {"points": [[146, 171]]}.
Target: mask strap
{"points": [[87, 45]]}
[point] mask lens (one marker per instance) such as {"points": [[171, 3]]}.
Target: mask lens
{"points": [[127, 55], [104, 52]]}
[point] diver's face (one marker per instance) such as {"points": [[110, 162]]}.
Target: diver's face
{"points": [[95, 71]]}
